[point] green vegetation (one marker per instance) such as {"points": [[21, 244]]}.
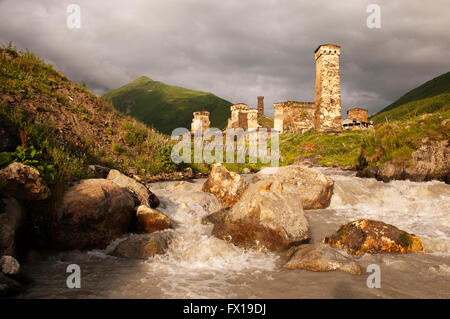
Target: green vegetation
{"points": [[395, 141], [327, 149], [265, 121], [166, 107], [31, 157], [67, 128], [432, 96]]}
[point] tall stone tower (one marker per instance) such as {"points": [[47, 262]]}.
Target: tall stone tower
{"points": [[260, 105], [328, 89]]}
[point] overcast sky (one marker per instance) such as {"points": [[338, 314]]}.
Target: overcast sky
{"points": [[238, 49]]}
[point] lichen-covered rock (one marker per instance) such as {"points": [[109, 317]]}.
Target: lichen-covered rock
{"points": [[143, 246], [313, 186], [9, 265], [150, 220], [227, 186], [23, 182], [370, 236], [91, 214], [320, 257], [12, 216], [145, 196], [269, 213]]}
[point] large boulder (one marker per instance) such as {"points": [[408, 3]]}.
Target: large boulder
{"points": [[370, 236], [12, 216], [269, 213], [91, 214], [150, 220], [145, 196], [143, 246], [321, 257], [9, 265], [227, 186], [313, 186], [23, 182]]}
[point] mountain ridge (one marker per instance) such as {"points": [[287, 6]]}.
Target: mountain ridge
{"points": [[166, 107]]}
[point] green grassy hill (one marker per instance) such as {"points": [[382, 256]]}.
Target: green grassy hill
{"points": [[430, 97], [167, 107]]}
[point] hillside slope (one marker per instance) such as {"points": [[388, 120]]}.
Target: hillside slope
{"points": [[430, 97], [68, 126], [167, 107]]}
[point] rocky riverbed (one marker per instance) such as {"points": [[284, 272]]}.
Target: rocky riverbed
{"points": [[197, 264]]}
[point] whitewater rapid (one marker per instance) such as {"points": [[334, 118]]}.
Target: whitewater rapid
{"points": [[198, 265]]}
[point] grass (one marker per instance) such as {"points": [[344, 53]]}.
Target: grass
{"points": [[328, 149], [167, 107], [430, 97], [396, 140], [409, 110], [111, 139]]}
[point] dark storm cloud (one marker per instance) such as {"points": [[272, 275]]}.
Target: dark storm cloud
{"points": [[238, 49]]}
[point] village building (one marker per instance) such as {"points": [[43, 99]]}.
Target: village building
{"points": [[200, 122], [356, 120]]}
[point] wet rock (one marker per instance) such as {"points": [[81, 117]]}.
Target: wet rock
{"points": [[207, 201], [91, 214], [11, 219], [321, 257], [150, 220], [227, 186], [9, 265], [430, 161], [269, 213], [145, 196], [24, 182], [313, 186], [143, 246], [215, 217], [98, 171], [370, 236]]}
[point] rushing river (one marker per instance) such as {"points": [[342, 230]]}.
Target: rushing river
{"points": [[198, 265]]}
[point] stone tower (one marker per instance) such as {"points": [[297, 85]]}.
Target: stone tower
{"points": [[328, 89], [200, 122], [260, 105]]}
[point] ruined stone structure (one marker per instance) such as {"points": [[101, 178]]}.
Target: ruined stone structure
{"points": [[260, 105], [324, 115], [292, 116], [252, 119], [243, 117], [200, 122]]}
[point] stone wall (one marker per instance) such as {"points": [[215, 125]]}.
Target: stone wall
{"points": [[200, 122], [357, 114], [252, 119], [293, 116], [327, 89]]}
